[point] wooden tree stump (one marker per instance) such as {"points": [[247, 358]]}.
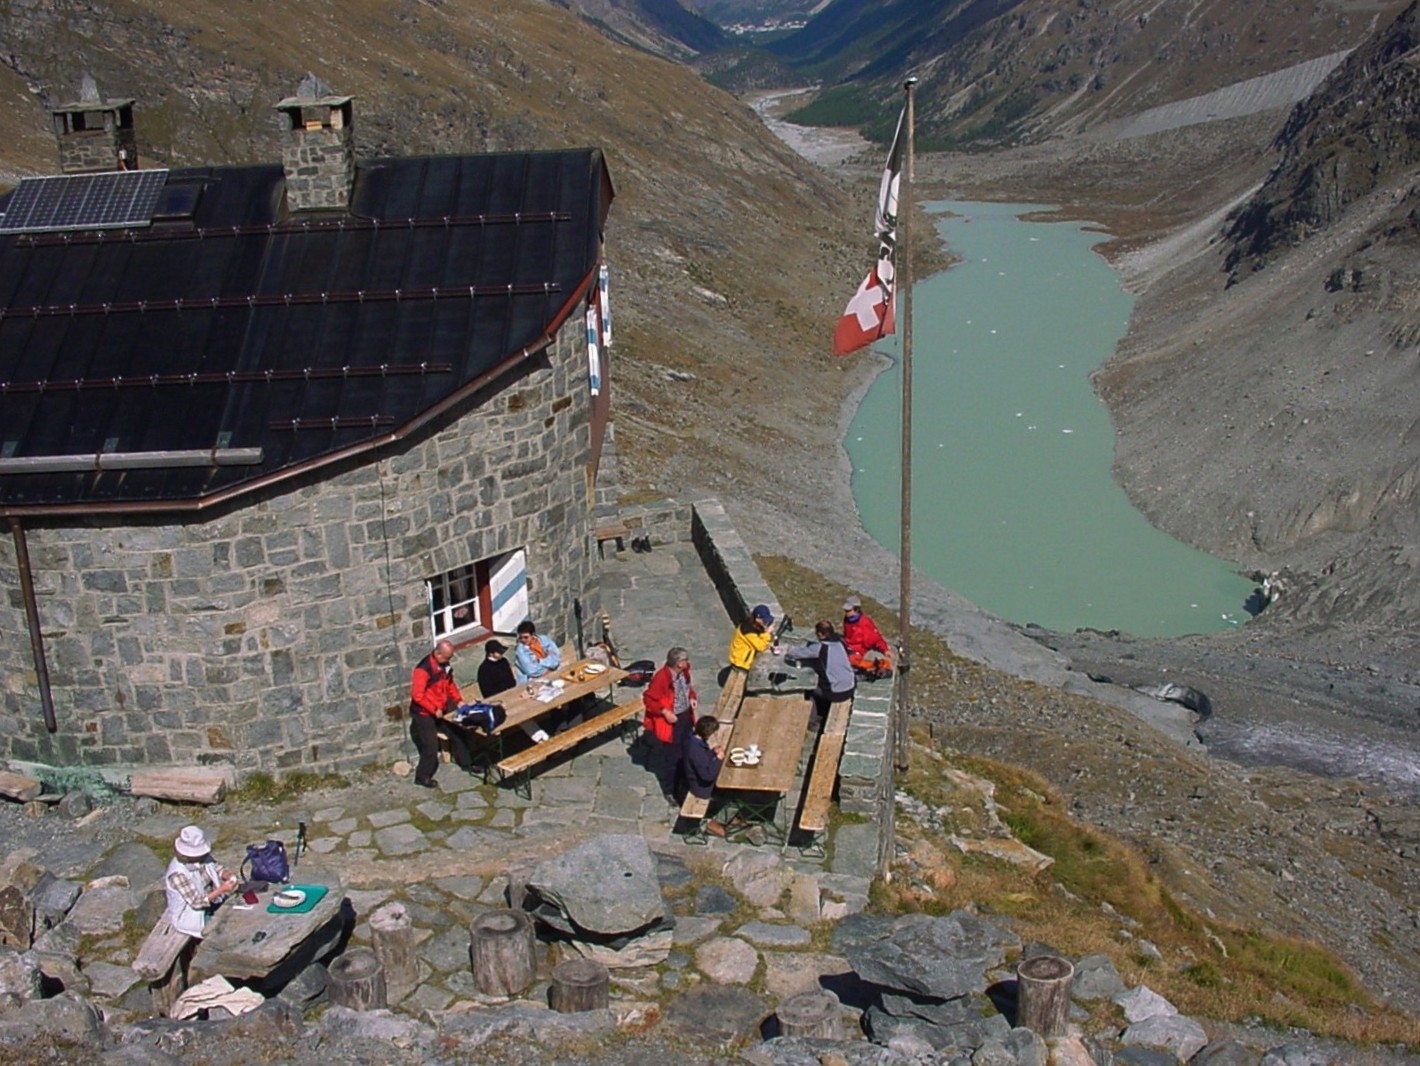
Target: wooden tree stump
{"points": [[502, 952], [393, 933], [357, 981], [1043, 994], [813, 1014], [578, 985]]}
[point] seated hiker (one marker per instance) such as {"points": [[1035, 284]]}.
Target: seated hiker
{"points": [[535, 654], [195, 884], [751, 637], [868, 649], [701, 764], [495, 675], [829, 658]]}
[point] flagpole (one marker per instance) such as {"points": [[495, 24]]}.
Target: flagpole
{"points": [[903, 281]]}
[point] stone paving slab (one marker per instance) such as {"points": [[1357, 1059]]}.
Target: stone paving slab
{"points": [[384, 819]]}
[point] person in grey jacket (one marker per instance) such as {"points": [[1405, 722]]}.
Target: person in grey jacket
{"points": [[829, 657]]}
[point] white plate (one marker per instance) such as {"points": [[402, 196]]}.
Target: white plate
{"points": [[290, 897], [594, 668], [737, 758]]}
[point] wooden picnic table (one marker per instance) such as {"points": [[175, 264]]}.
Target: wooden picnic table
{"points": [[522, 708], [778, 727], [258, 946]]}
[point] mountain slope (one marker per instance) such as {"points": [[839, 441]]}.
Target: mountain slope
{"points": [[664, 27], [996, 71], [1360, 131]]}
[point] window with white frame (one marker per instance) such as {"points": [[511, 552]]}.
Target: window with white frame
{"points": [[490, 595]]}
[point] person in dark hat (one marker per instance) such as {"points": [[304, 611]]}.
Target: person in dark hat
{"points": [[495, 673], [751, 637]]}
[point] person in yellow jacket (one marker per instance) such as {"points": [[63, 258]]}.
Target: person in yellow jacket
{"points": [[751, 637]]}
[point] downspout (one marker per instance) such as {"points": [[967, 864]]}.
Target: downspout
{"points": [[27, 590]]}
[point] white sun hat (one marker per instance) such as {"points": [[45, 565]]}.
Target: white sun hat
{"points": [[191, 843]]}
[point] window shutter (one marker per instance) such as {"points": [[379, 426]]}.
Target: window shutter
{"points": [[508, 589]]}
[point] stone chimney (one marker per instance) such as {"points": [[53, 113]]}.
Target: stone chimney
{"points": [[95, 134], [319, 152]]}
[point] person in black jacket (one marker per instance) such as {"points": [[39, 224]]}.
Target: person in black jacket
{"points": [[495, 673]]}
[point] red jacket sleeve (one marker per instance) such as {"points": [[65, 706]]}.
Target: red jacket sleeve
{"points": [[423, 693], [660, 693]]}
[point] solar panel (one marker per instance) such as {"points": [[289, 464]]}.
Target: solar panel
{"points": [[83, 201]]}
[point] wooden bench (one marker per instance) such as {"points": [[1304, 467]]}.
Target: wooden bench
{"points": [[731, 695], [818, 792], [159, 962], [616, 531], [517, 768]]}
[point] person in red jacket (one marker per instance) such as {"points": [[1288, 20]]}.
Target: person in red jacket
{"points": [[670, 717], [433, 695], [868, 651]]}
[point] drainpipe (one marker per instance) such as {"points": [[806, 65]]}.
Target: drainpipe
{"points": [[27, 590]]}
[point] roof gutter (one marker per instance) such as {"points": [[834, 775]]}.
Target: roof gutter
{"points": [[27, 590], [203, 503]]}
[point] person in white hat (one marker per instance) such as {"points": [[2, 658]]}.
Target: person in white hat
{"points": [[195, 884]]}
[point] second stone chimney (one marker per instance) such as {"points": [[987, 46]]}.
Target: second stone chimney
{"points": [[319, 151], [94, 134]]}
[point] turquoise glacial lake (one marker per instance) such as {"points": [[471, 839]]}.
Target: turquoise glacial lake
{"points": [[1014, 503]]}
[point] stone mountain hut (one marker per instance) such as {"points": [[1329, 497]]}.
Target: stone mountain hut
{"points": [[266, 432]]}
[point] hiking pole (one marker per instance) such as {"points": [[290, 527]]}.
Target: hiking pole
{"points": [[300, 843], [581, 639]]}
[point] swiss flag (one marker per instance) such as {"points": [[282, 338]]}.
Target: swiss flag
{"points": [[869, 315]]}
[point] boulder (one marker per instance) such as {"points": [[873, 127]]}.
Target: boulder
{"points": [[137, 862], [1225, 1053], [53, 898], [100, 910], [721, 1013], [939, 958], [19, 975], [1143, 1002], [1095, 978], [17, 919], [1180, 1035], [607, 886], [727, 960], [884, 1028], [1019, 1047], [66, 1017], [759, 876]]}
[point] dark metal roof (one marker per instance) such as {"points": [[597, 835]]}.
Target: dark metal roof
{"points": [[228, 324]]}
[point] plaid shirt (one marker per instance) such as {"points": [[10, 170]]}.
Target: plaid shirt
{"points": [[209, 875]]}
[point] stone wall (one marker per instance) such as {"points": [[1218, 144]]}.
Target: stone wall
{"points": [[281, 634], [320, 168], [90, 151]]}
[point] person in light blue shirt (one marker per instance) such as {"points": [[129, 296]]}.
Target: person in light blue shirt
{"points": [[535, 655], [836, 680]]}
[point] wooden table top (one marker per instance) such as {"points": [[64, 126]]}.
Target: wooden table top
{"points": [[778, 726], [521, 707], [246, 944]]}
